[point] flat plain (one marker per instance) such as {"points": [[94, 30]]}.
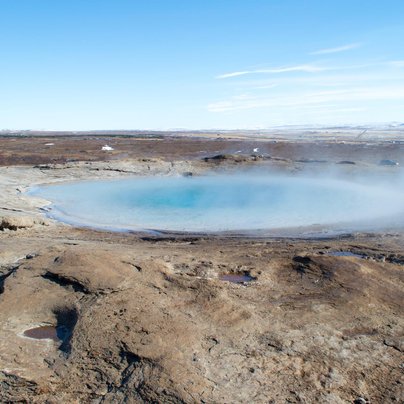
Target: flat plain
{"points": [[142, 317]]}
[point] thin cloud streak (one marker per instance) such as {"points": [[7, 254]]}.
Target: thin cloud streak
{"points": [[306, 99], [300, 68], [336, 49], [235, 74], [326, 80], [265, 86], [397, 63], [306, 68], [332, 77]]}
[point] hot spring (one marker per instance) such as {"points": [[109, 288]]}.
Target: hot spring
{"points": [[222, 203]]}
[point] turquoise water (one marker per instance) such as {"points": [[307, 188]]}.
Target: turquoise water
{"points": [[219, 203]]}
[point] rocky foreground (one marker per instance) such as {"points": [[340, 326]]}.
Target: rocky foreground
{"points": [[92, 316]]}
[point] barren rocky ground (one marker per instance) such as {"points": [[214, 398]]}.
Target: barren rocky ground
{"points": [[143, 318]]}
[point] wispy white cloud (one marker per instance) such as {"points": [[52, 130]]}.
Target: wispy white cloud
{"points": [[397, 63], [318, 92], [235, 74], [307, 68], [343, 77], [307, 99], [343, 110], [337, 49], [265, 86], [243, 97]]}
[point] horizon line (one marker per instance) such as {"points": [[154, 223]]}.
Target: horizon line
{"points": [[393, 124]]}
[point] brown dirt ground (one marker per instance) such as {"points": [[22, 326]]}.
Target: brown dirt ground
{"points": [[147, 319]]}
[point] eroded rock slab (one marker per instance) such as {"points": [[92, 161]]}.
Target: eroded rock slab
{"points": [[90, 272], [154, 322]]}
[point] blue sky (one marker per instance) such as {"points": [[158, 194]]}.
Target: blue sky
{"points": [[163, 64]]}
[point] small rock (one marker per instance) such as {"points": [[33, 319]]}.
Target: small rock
{"points": [[395, 343], [360, 400]]}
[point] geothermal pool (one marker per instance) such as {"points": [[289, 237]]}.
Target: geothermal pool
{"points": [[220, 203]]}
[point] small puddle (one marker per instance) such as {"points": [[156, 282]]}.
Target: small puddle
{"points": [[237, 278], [47, 332], [345, 254]]}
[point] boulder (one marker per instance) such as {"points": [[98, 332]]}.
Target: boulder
{"points": [[16, 222]]}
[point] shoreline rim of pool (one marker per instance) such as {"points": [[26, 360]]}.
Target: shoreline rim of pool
{"points": [[383, 222]]}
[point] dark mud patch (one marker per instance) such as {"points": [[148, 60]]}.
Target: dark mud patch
{"points": [[358, 332], [237, 278], [314, 268]]}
